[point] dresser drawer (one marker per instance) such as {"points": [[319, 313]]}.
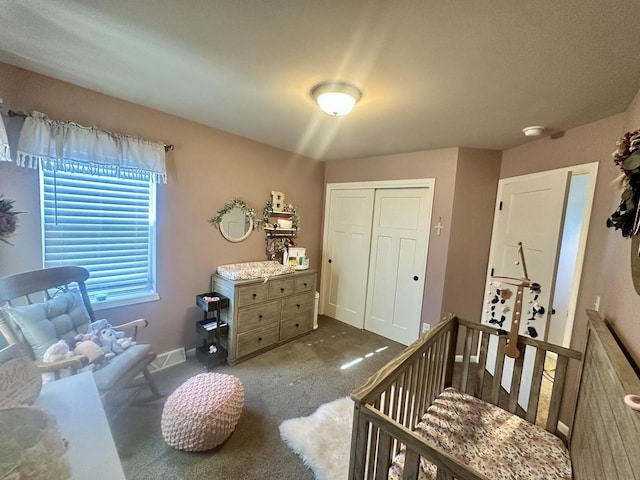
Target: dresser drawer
{"points": [[304, 283], [256, 339], [280, 288], [297, 304], [257, 316], [301, 323], [252, 294]]}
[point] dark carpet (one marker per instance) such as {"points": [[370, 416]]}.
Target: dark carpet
{"points": [[289, 381]]}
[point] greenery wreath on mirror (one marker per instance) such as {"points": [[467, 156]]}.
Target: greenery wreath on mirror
{"points": [[627, 156], [235, 203]]}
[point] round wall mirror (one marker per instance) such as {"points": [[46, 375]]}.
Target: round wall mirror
{"points": [[235, 220], [236, 225]]}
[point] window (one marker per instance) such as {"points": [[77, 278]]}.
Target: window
{"points": [[106, 225]]}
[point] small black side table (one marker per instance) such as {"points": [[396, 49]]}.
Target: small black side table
{"points": [[212, 329]]}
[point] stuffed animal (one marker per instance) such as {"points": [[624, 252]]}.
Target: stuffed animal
{"points": [[56, 352], [125, 342], [97, 326], [92, 351], [109, 342], [86, 337]]}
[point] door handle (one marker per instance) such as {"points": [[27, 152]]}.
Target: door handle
{"points": [[415, 277], [329, 260]]}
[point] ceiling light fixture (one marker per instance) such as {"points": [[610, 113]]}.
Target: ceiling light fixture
{"points": [[336, 98], [533, 131]]}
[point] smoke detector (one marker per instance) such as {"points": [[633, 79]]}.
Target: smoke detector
{"points": [[533, 131]]}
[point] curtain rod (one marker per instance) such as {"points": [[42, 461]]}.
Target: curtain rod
{"points": [[12, 113]]}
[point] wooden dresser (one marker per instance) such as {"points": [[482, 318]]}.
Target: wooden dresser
{"points": [[263, 315]]}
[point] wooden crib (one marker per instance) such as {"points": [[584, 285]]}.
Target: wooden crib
{"points": [[603, 438]]}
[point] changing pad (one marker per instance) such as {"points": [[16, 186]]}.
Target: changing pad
{"points": [[250, 270]]}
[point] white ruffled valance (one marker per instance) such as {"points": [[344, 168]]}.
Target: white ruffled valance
{"points": [[69, 147]]}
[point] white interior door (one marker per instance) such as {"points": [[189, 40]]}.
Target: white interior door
{"points": [[398, 262], [530, 210], [346, 255]]}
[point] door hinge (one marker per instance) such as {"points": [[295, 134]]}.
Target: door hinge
{"points": [[500, 206]]}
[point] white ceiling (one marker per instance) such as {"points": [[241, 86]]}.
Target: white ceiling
{"points": [[434, 73]]}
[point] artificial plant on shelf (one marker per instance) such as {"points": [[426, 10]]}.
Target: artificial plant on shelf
{"points": [[8, 219], [268, 212]]}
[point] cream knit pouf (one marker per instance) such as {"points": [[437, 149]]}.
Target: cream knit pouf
{"points": [[202, 412]]}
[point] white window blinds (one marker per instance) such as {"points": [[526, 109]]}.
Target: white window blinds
{"points": [[104, 224]]}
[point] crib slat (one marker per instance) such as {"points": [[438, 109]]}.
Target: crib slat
{"points": [[411, 465], [372, 453], [440, 366], [451, 353], [497, 374], [482, 363], [433, 376], [556, 394], [441, 474], [419, 384], [359, 445], [466, 357], [515, 381], [536, 382], [384, 456]]}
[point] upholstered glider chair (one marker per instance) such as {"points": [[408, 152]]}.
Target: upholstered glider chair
{"points": [[37, 309]]}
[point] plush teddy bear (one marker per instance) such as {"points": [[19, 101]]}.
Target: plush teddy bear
{"points": [[109, 342], [56, 352], [97, 326], [125, 342], [93, 352], [86, 337]]}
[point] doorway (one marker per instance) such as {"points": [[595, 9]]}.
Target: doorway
{"points": [[374, 255], [549, 213]]}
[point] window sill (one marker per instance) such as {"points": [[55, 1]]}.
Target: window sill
{"points": [[123, 301]]}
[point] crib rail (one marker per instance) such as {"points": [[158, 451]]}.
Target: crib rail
{"points": [[390, 404]]}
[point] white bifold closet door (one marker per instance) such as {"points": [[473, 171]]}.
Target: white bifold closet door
{"points": [[375, 259], [398, 263]]}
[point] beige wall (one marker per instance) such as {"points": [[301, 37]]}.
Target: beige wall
{"points": [[589, 143], [208, 168], [620, 302], [474, 202]]}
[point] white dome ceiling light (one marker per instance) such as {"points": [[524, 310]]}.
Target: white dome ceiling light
{"points": [[336, 98], [533, 131]]}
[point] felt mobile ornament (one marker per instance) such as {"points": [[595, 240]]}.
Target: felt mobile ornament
{"points": [[511, 349]]}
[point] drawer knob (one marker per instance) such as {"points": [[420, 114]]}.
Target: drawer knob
{"points": [[260, 316], [255, 295], [259, 339], [297, 324], [282, 290], [305, 284], [298, 305]]}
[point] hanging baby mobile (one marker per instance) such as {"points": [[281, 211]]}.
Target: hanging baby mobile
{"points": [[501, 301], [627, 156]]}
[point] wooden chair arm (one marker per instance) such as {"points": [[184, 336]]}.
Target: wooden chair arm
{"points": [[140, 322], [134, 324], [75, 363]]}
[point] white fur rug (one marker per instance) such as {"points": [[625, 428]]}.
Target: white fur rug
{"points": [[323, 439]]}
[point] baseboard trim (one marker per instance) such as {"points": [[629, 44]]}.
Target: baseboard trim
{"points": [[168, 359]]}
